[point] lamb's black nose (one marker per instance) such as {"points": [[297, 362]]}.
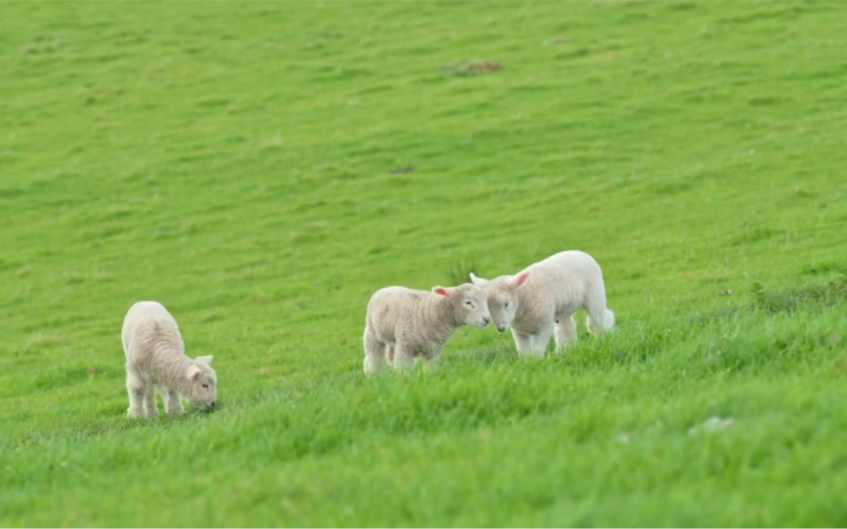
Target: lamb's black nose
{"points": [[486, 321]]}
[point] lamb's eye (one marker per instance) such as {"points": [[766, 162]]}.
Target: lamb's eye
{"points": [[506, 305], [469, 303], [205, 386]]}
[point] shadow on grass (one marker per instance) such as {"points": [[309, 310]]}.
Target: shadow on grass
{"points": [[777, 301], [491, 355], [792, 299]]}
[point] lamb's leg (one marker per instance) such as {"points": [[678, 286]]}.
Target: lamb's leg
{"points": [[521, 342], [539, 341], [430, 362], [150, 401], [564, 332], [403, 359], [135, 389], [172, 402], [374, 352]]}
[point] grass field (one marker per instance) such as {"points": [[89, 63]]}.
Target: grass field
{"points": [[261, 168]]}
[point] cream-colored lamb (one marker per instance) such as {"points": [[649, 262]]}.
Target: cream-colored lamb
{"points": [[155, 360], [541, 300], [404, 324]]}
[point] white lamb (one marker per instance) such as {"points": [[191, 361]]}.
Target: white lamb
{"points": [[155, 360], [541, 300], [404, 324]]}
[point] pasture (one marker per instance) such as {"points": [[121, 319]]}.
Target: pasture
{"points": [[261, 168]]}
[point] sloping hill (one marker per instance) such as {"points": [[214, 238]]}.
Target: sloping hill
{"points": [[262, 167]]}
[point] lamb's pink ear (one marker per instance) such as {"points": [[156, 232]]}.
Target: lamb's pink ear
{"points": [[193, 372], [520, 279], [441, 291], [205, 359]]}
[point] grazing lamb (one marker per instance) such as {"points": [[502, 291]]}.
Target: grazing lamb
{"points": [[403, 324], [541, 300], [155, 359]]}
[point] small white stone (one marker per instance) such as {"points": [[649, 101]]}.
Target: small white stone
{"points": [[712, 424]]}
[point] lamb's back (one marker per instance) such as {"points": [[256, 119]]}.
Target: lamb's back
{"points": [[150, 334], [391, 307], [562, 279]]}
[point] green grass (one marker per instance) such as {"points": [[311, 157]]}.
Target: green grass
{"points": [[262, 167]]}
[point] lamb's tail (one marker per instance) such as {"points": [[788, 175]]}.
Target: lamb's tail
{"points": [[601, 323], [610, 319]]}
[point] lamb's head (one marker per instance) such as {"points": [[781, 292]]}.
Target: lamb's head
{"points": [[468, 302], [202, 382], [502, 301]]}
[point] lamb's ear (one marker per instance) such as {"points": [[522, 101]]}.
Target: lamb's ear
{"points": [[441, 291], [193, 372], [205, 359], [477, 280], [520, 279]]}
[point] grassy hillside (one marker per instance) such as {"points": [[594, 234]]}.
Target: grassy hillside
{"points": [[262, 167]]}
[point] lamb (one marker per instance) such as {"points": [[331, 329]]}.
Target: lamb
{"points": [[541, 300], [155, 360], [403, 324]]}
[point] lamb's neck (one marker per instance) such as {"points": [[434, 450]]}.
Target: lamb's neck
{"points": [[437, 317], [526, 300], [173, 370]]}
